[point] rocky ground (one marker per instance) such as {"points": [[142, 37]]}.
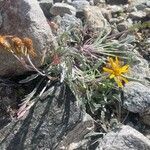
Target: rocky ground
{"points": [[58, 123]]}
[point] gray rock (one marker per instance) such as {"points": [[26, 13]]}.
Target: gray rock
{"points": [[137, 15], [80, 142], [54, 123], [114, 20], [147, 11], [68, 21], [46, 5], [57, 1], [115, 8], [68, 1], [80, 5], [96, 2], [148, 41], [116, 2], [140, 68], [124, 138], [106, 13], [148, 3], [123, 26], [95, 19], [140, 7], [136, 97], [1, 20], [62, 8], [24, 19], [10, 94], [146, 117], [130, 9], [137, 2]]}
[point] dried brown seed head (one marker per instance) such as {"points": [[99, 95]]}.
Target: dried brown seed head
{"points": [[4, 43], [28, 43], [17, 42], [29, 46]]}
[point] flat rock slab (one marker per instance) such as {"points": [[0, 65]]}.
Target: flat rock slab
{"points": [[53, 124], [23, 18]]}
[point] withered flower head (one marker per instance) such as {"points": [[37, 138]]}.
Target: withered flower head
{"points": [[17, 45], [17, 42], [3, 42], [28, 44]]}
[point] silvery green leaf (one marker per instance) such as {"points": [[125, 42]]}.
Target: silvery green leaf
{"points": [[91, 134], [30, 78], [129, 39]]}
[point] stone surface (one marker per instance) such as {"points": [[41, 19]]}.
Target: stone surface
{"points": [[140, 68], [94, 19], [137, 15], [115, 9], [122, 26], [67, 1], [146, 117], [124, 138], [24, 19], [147, 11], [97, 2], [53, 123], [1, 20], [80, 4], [136, 97], [140, 7], [68, 20], [9, 97], [57, 1], [137, 2], [65, 23], [114, 20], [106, 13], [62, 8], [75, 140], [116, 2], [148, 3], [46, 5]]}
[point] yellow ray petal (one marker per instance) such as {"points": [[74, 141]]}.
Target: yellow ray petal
{"points": [[111, 76], [118, 81], [124, 69], [107, 70], [117, 62], [111, 61]]}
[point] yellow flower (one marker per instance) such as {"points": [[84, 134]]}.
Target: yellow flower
{"points": [[116, 71]]}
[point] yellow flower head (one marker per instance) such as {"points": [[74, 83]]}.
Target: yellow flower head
{"points": [[116, 71]]}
